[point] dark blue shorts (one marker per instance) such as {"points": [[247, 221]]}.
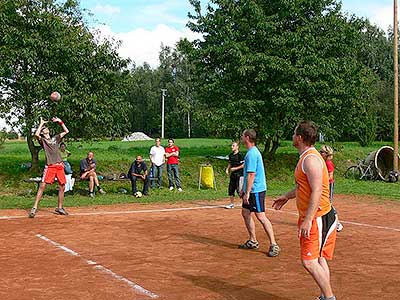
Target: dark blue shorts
{"points": [[256, 202]]}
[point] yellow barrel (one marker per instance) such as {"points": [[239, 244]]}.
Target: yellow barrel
{"points": [[207, 176]]}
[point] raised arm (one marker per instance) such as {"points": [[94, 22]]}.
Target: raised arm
{"points": [[65, 129], [39, 129]]}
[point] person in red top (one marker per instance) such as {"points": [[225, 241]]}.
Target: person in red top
{"points": [[172, 155], [54, 164], [327, 154], [317, 219]]}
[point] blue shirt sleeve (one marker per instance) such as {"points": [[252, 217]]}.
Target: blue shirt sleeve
{"points": [[251, 162]]}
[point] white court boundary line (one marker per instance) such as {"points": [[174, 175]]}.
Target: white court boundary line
{"points": [[99, 213], [185, 209], [137, 288]]}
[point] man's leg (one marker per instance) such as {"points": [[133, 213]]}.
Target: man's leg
{"points": [[146, 185], [91, 183], [39, 194], [170, 176], [177, 178], [133, 182], [320, 275], [324, 264], [153, 173], [250, 225], [61, 188], [159, 175], [267, 226]]}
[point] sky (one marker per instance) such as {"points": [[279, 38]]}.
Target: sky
{"points": [[143, 25]]}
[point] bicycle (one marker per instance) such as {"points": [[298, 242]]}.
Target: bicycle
{"points": [[362, 171], [368, 171]]}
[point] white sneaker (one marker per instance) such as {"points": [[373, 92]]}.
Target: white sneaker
{"points": [[230, 206], [339, 227], [180, 190], [171, 188]]}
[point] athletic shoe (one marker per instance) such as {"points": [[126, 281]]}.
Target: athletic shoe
{"points": [[91, 195], [171, 188], [61, 211], [180, 190], [32, 213], [274, 250], [320, 298], [230, 206], [101, 191], [339, 227], [249, 245]]}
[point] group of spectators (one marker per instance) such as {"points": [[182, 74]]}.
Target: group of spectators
{"points": [[158, 157], [138, 170]]}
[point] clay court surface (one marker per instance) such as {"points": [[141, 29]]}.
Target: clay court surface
{"points": [[161, 252]]}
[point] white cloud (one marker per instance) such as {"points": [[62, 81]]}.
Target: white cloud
{"points": [[383, 17], [106, 9], [141, 45]]}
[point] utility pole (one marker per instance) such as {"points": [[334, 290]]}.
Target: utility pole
{"points": [[163, 92], [396, 90]]}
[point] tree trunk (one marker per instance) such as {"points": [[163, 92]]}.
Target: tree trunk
{"points": [[34, 153], [270, 147]]}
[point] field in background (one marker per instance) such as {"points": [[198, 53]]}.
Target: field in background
{"points": [[114, 157]]}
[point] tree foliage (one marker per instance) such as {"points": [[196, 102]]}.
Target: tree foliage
{"points": [[175, 74], [46, 46], [268, 64]]}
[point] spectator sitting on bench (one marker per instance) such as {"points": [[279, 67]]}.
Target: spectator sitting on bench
{"points": [[88, 172], [138, 170]]}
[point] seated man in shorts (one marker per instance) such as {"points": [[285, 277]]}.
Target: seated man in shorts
{"points": [[88, 172]]}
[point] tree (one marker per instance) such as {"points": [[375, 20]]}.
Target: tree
{"points": [[46, 46], [175, 73], [268, 64]]}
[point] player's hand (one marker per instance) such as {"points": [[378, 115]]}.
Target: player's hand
{"points": [[280, 202], [246, 197], [56, 120], [305, 228], [42, 121], [227, 171]]}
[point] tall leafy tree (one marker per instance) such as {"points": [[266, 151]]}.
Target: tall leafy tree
{"points": [[46, 46], [175, 74], [267, 64]]}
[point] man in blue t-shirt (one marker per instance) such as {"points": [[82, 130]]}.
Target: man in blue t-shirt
{"points": [[253, 195]]}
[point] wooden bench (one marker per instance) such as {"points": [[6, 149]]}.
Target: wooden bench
{"points": [[38, 180]]}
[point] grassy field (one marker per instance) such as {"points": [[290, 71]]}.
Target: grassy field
{"points": [[114, 157]]}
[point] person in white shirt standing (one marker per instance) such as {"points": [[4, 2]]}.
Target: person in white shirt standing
{"points": [[157, 158]]}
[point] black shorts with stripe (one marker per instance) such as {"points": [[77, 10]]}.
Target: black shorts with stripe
{"points": [[256, 202]]}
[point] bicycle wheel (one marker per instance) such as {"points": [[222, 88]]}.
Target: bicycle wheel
{"points": [[353, 172]]}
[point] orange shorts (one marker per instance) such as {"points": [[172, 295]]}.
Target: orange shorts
{"points": [[322, 237], [52, 171]]}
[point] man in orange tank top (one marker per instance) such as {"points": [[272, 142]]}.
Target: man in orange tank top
{"points": [[317, 219]]}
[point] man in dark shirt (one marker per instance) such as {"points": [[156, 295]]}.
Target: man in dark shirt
{"points": [[138, 171], [54, 165], [235, 169], [88, 172]]}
